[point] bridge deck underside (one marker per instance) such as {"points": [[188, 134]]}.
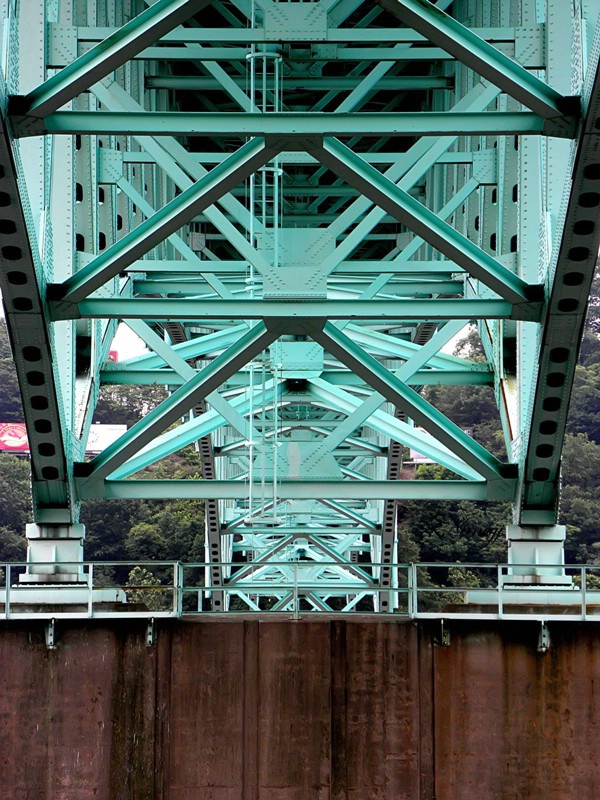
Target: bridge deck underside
{"points": [[298, 207]]}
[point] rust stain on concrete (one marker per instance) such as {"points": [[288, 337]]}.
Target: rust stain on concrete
{"points": [[324, 710]]}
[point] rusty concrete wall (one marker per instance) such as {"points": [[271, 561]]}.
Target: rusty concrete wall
{"points": [[299, 711]]}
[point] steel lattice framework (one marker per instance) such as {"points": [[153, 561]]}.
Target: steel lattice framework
{"points": [[297, 206]]}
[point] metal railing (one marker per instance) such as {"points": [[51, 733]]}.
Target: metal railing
{"points": [[300, 589]]}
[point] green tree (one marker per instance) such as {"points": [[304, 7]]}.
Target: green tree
{"points": [[126, 405], [153, 598], [580, 502], [16, 510], [11, 408], [584, 410], [174, 531]]}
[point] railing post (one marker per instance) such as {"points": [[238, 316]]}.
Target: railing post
{"points": [[414, 590], [177, 589], [296, 614], [500, 596], [90, 583], [7, 592], [583, 593]]}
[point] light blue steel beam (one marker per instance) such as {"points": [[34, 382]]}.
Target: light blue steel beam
{"points": [[463, 43], [200, 310], [291, 126], [182, 400], [98, 62], [163, 223], [425, 223], [416, 407], [295, 490]]}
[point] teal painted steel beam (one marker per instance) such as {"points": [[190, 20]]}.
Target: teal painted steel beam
{"points": [[415, 165], [294, 490], [334, 397], [416, 407], [186, 372], [292, 125], [403, 267], [191, 431], [203, 193], [34, 358], [454, 245], [119, 47], [426, 354], [315, 418], [332, 34], [199, 310], [181, 401], [198, 347], [400, 83], [401, 288], [423, 377], [469, 48], [576, 263]]}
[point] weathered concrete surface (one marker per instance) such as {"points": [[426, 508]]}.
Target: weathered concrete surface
{"points": [[299, 711]]}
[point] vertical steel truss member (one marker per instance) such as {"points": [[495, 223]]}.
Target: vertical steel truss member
{"points": [[297, 206]]}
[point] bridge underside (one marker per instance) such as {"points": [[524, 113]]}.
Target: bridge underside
{"points": [[298, 206]]}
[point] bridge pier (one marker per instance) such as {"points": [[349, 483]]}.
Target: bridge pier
{"points": [[54, 553], [536, 555]]}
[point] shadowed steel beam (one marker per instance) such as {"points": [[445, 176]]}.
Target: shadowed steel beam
{"points": [[576, 262], [181, 401], [338, 399], [400, 83], [189, 432], [164, 222], [108, 55], [422, 377], [197, 310], [397, 202], [199, 347], [469, 48], [421, 356], [187, 372], [398, 393], [290, 490], [289, 124]]}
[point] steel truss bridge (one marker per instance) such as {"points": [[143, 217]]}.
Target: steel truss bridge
{"points": [[297, 206]]}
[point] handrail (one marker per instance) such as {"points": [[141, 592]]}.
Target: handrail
{"points": [[150, 589]]}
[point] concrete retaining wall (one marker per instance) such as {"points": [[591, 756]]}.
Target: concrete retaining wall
{"points": [[299, 711]]}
